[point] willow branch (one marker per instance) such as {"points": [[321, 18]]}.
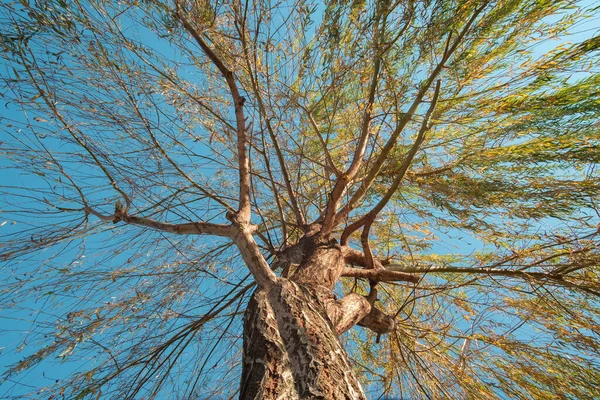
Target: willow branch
{"points": [[536, 276], [344, 180], [238, 101], [483, 271], [379, 275], [189, 228], [406, 118], [166, 155], [176, 83], [328, 158], [256, 262], [273, 186], [355, 257], [368, 218], [69, 128], [300, 220]]}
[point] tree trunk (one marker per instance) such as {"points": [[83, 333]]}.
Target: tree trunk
{"points": [[291, 344], [291, 348]]}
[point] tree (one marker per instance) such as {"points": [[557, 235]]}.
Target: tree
{"points": [[424, 169]]}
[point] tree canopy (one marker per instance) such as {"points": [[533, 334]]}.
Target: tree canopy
{"points": [[452, 140]]}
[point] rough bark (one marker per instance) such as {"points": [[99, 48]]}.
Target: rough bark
{"points": [[291, 344], [291, 348], [292, 327]]}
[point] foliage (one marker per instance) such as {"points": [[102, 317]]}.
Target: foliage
{"points": [[489, 191]]}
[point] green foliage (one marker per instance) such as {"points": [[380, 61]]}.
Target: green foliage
{"points": [[107, 102]]}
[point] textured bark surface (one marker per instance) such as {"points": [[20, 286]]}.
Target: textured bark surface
{"points": [[291, 348], [291, 328]]}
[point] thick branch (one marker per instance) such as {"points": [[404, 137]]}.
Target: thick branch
{"points": [[355, 257], [256, 263], [379, 275], [347, 312], [238, 101], [240, 232], [379, 322], [189, 228]]}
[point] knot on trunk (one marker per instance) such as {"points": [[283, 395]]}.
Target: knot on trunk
{"points": [[378, 321]]}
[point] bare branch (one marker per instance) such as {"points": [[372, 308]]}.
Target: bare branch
{"points": [[238, 101], [189, 228], [368, 218], [379, 275], [406, 118]]}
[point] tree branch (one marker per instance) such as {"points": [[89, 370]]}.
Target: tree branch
{"points": [[168, 157], [379, 275], [238, 101], [537, 276], [328, 158], [300, 220], [342, 182], [273, 186], [406, 118], [73, 131], [355, 257], [189, 228], [256, 263], [368, 218]]}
